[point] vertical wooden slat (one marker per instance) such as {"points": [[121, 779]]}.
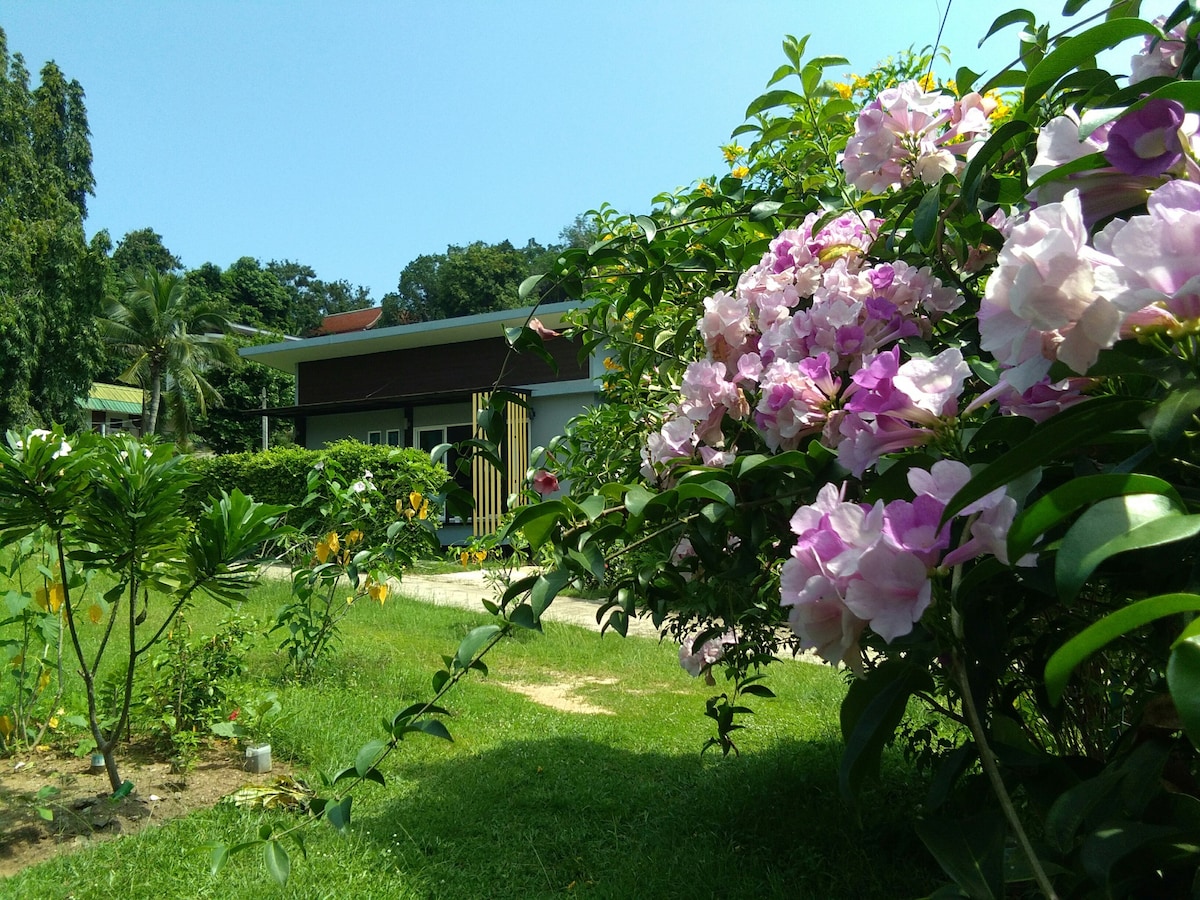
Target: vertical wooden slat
{"points": [[489, 487]]}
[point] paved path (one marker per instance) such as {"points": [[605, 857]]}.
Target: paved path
{"points": [[467, 590]]}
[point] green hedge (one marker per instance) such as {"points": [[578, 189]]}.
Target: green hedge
{"points": [[279, 476]]}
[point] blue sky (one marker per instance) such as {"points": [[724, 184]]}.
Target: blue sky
{"points": [[354, 136]]}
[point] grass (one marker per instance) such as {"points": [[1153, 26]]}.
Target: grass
{"points": [[531, 801]]}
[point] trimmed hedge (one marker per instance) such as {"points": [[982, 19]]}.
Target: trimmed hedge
{"points": [[279, 476]]}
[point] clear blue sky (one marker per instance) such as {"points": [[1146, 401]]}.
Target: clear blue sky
{"points": [[353, 136]]}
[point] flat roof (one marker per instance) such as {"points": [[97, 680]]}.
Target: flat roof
{"points": [[287, 355]]}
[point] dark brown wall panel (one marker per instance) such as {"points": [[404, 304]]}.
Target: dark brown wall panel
{"points": [[466, 366]]}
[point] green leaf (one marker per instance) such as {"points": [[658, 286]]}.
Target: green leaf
{"points": [[473, 643], [1099, 634], [649, 226], [546, 588], [1092, 421], [1114, 526], [872, 709], [981, 161], [1012, 17], [772, 99], [218, 856], [528, 285], [338, 813], [925, 219], [1065, 500], [708, 490], [1167, 421], [536, 522], [1080, 49], [366, 757], [971, 851], [277, 861], [636, 499], [1183, 679], [523, 617], [432, 727]]}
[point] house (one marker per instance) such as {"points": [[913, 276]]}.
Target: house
{"points": [[424, 384], [114, 408]]}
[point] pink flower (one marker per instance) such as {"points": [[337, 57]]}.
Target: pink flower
{"points": [[696, 661], [1146, 140], [1160, 57], [535, 324], [545, 482]]}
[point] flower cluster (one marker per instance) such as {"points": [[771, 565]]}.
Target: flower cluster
{"points": [[1058, 295], [697, 661], [909, 133], [855, 565], [805, 331]]}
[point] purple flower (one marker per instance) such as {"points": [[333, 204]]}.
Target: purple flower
{"points": [[1146, 140]]}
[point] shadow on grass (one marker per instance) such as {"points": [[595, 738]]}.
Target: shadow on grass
{"points": [[569, 815]]}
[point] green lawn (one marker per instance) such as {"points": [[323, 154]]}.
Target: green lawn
{"points": [[530, 801]]}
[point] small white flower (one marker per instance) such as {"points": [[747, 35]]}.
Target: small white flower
{"points": [[358, 487], [367, 475], [63, 449]]}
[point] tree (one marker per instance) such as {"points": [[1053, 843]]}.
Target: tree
{"points": [[169, 345], [311, 299], [463, 281], [143, 251], [51, 281]]}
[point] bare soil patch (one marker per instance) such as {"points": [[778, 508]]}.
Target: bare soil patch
{"points": [[83, 810], [563, 695]]}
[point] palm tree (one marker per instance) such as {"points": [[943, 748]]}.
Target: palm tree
{"points": [[170, 345]]}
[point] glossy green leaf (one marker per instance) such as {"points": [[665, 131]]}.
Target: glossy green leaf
{"points": [[528, 285], [338, 813], [218, 856], [473, 643], [1102, 632], [925, 219], [1148, 520], [971, 851], [1183, 679], [1167, 421], [772, 99], [1063, 435], [523, 617], [1080, 49], [1064, 501], [366, 757], [648, 226], [546, 588], [536, 521], [1012, 17], [870, 712], [637, 498], [433, 728], [709, 490], [278, 863]]}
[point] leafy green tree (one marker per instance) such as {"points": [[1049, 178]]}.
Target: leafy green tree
{"points": [[255, 296], [242, 385], [143, 251], [51, 281], [311, 299], [170, 345]]}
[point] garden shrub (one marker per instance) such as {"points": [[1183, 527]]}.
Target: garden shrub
{"points": [[279, 476]]}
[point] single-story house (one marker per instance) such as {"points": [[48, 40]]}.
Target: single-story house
{"points": [[114, 408], [424, 384]]}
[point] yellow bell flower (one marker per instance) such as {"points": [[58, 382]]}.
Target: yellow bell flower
{"points": [[464, 557], [378, 590], [354, 537], [95, 613], [6, 726], [480, 555]]}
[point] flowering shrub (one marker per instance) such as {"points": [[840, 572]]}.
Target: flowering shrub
{"points": [[922, 387]]}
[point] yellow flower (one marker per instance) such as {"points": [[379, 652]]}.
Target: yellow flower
{"points": [[330, 545], [54, 721], [480, 555], [464, 557], [43, 680], [732, 152], [378, 590], [844, 90], [423, 512], [1002, 109], [927, 82], [6, 726], [414, 499], [859, 82], [354, 537], [706, 188], [611, 364], [95, 613], [56, 596], [740, 172]]}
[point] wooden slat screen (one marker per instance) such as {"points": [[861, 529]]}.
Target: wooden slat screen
{"points": [[492, 488]]}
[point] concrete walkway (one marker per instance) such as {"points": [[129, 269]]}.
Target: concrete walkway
{"points": [[467, 590]]}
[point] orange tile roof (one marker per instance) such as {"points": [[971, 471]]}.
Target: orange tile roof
{"points": [[355, 320]]}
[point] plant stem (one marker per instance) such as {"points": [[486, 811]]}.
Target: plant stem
{"points": [[991, 768]]}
